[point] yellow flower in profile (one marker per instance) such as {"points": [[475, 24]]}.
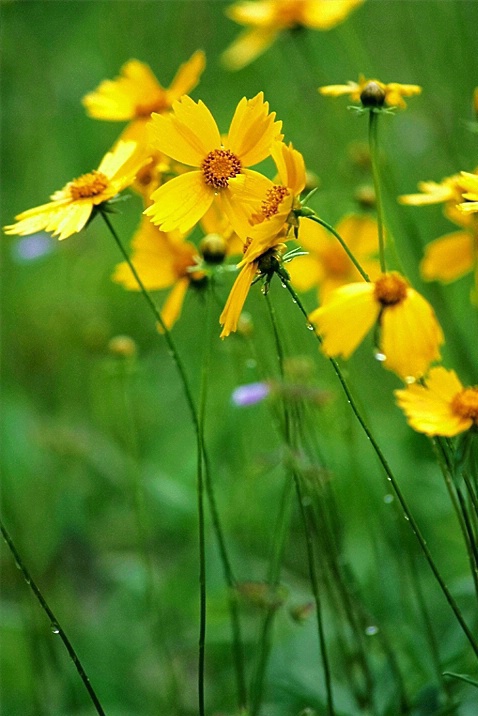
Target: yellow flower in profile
{"points": [[266, 19], [270, 226], [327, 265], [189, 134], [390, 94], [409, 333], [162, 261], [136, 93], [448, 257], [470, 193], [71, 207], [442, 406]]}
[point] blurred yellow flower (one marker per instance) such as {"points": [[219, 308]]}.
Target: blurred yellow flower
{"points": [[327, 266], [391, 94], [162, 261], [442, 406], [448, 257], [190, 135], [270, 226], [266, 19], [409, 333], [136, 93], [72, 206], [470, 193]]}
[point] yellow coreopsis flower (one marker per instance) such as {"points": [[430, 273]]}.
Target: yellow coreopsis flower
{"points": [[409, 337], [136, 93], [440, 407], [327, 265], [71, 207], [390, 94], [162, 261], [448, 257], [190, 135], [270, 226], [266, 19]]}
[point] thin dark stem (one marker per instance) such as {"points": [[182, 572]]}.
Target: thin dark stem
{"points": [[309, 537], [391, 478], [373, 143], [202, 454], [55, 624], [330, 228]]}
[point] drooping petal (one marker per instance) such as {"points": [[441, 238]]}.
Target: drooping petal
{"points": [[188, 134], [37, 218], [186, 77], [180, 203], [247, 47], [253, 130], [171, 310], [345, 318], [429, 408], [448, 257], [116, 159], [236, 299], [339, 90], [410, 336]]}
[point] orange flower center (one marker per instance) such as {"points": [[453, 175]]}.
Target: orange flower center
{"points": [[465, 404], [390, 289], [219, 166], [88, 185], [274, 196]]}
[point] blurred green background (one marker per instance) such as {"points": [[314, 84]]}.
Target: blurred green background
{"points": [[81, 426]]}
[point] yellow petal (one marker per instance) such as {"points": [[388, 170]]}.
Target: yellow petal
{"points": [[429, 409], [252, 130], [242, 199], [187, 76], [171, 310], [305, 272], [180, 203], [70, 220], [339, 90], [290, 165], [410, 336], [247, 47], [155, 257], [236, 299], [360, 233], [324, 14], [188, 134], [433, 193], [345, 318], [260, 13], [36, 219], [118, 99], [448, 257]]}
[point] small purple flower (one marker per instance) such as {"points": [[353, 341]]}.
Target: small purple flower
{"points": [[250, 394], [32, 247]]}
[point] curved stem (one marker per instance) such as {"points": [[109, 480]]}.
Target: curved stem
{"points": [[330, 228], [311, 559], [373, 143], [55, 624], [391, 478], [202, 455]]}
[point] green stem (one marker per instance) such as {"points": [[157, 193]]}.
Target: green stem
{"points": [[391, 478], [202, 453], [311, 560], [54, 623], [330, 228], [373, 143]]}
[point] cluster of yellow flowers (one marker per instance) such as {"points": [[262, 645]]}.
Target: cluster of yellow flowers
{"points": [[174, 155]]}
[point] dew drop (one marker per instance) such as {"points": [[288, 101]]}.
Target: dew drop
{"points": [[409, 380], [388, 499], [306, 501], [380, 356], [371, 630], [251, 363], [310, 326], [54, 628]]}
